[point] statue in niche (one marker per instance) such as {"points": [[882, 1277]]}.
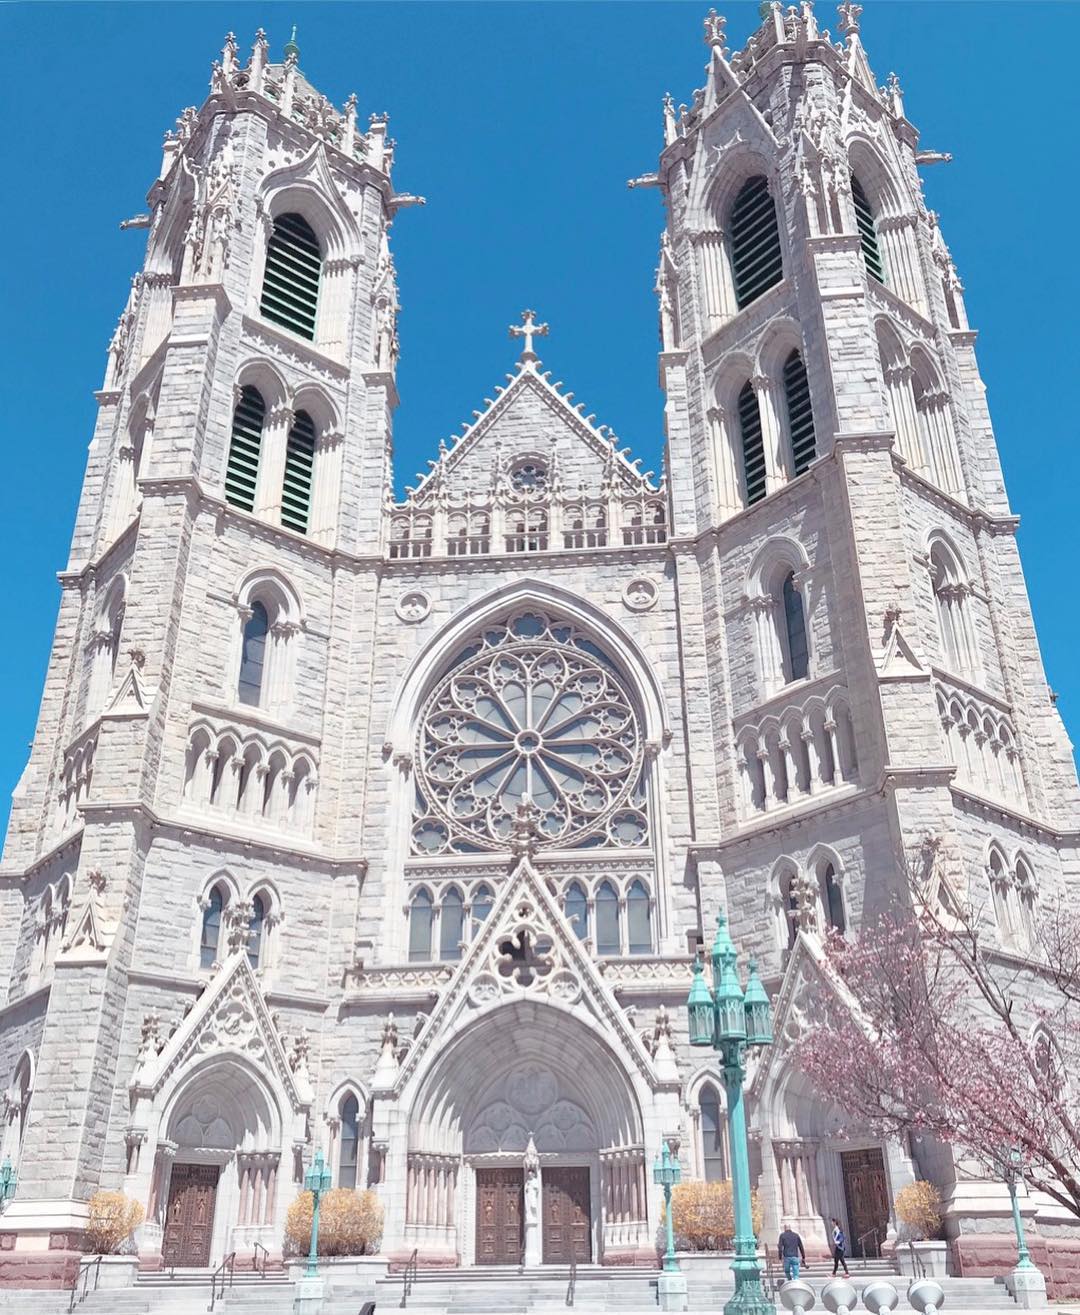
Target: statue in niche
{"points": [[531, 1166]]}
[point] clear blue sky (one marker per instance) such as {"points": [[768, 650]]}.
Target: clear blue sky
{"points": [[520, 123]]}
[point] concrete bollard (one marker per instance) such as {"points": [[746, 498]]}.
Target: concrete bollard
{"points": [[839, 1296], [880, 1297], [797, 1296], [926, 1295]]}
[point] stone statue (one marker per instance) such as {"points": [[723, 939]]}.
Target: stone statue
{"points": [[531, 1165]]}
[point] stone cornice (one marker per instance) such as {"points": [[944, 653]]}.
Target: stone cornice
{"points": [[30, 998], [975, 517], [971, 802], [782, 818], [258, 332], [69, 840], [245, 715], [214, 292]]}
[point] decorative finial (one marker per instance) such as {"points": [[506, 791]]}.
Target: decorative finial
{"points": [[849, 18], [291, 48], [528, 329], [714, 30]]}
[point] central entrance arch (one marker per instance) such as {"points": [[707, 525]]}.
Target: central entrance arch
{"points": [[526, 1143]]}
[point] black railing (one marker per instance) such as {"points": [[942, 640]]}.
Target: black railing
{"points": [[918, 1269], [408, 1276], [768, 1279], [256, 1264], [571, 1290], [82, 1285], [860, 1242], [222, 1278]]}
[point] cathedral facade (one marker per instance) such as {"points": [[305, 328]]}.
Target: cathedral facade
{"points": [[390, 827]]}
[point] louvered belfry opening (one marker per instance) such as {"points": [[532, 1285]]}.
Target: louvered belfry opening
{"points": [[756, 261], [753, 448], [290, 291], [800, 413], [864, 218], [299, 465], [242, 468]]}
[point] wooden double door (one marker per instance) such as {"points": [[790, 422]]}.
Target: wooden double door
{"points": [[189, 1220], [565, 1215], [866, 1189], [500, 1210]]}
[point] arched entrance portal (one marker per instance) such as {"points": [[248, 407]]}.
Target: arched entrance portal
{"points": [[526, 1144]]}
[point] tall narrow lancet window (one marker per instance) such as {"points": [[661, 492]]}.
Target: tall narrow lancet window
{"points": [[800, 414], [349, 1154], [253, 655], [290, 292], [753, 446], [607, 920], [420, 921], [833, 899], [482, 902], [211, 928], [867, 226], [756, 262], [451, 925], [256, 931], [638, 920], [577, 910], [242, 469], [299, 465], [714, 1162], [797, 654]]}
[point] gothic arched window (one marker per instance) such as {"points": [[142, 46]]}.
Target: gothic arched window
{"points": [[638, 920], [714, 1159], [531, 716], [253, 655], [349, 1154], [245, 446], [789, 910], [451, 925], [608, 940], [576, 905], [796, 652], [756, 260], [832, 897], [299, 469], [290, 292], [867, 226], [800, 414], [753, 447], [421, 916], [210, 937], [951, 604], [482, 902], [257, 931]]}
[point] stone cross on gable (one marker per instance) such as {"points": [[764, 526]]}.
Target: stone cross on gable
{"points": [[528, 329]]}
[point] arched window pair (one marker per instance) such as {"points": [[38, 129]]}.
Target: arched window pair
{"points": [[270, 616], [105, 643], [812, 901], [18, 1110], [453, 922], [952, 593], [213, 938], [617, 929], [1014, 894], [758, 417], [245, 454], [52, 927], [780, 624]]}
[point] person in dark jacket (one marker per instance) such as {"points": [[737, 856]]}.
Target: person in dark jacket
{"points": [[790, 1247], [839, 1246]]}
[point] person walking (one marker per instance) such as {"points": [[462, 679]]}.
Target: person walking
{"points": [[839, 1247], [790, 1247]]}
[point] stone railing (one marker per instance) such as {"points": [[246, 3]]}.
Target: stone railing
{"points": [[795, 750], [981, 740]]}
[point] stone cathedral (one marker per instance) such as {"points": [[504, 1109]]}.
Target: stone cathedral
{"points": [[389, 826]]}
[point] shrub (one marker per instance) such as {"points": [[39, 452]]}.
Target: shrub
{"points": [[918, 1207], [350, 1223], [113, 1219], [704, 1217]]}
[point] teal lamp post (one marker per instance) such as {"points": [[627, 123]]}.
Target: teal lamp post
{"points": [[9, 1180], [667, 1173], [317, 1181], [731, 1020], [1013, 1165]]}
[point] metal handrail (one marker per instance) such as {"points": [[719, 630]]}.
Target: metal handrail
{"points": [[82, 1274], [408, 1276], [571, 1290], [255, 1258], [918, 1269], [225, 1270], [875, 1233], [770, 1276]]}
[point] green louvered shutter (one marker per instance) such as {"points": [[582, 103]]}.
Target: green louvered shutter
{"points": [[299, 464], [290, 292], [242, 469], [864, 217], [752, 446], [800, 413], [755, 241]]}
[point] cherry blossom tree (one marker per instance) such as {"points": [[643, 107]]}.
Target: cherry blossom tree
{"points": [[949, 1035]]}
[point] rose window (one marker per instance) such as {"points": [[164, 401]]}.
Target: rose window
{"points": [[529, 477], [532, 711]]}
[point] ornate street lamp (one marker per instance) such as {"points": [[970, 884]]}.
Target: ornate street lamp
{"points": [[317, 1181], [667, 1173], [9, 1180], [730, 1020], [1012, 1163]]}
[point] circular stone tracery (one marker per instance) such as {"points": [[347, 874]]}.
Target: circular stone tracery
{"points": [[531, 708]]}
